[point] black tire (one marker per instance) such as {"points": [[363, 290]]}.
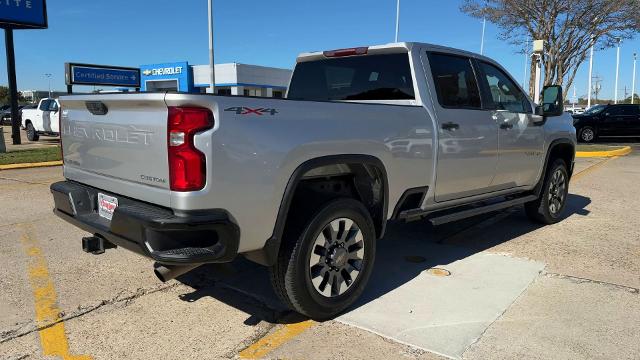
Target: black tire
{"points": [[32, 134], [548, 208], [291, 275], [587, 134]]}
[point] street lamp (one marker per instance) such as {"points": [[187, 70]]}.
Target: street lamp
{"points": [[397, 19], [615, 101], [48, 76], [590, 73], [633, 82], [212, 76], [484, 24]]}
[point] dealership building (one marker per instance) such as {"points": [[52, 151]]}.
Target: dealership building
{"points": [[231, 79]]}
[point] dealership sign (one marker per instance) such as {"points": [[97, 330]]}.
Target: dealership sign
{"points": [[174, 70], [23, 14], [101, 75]]}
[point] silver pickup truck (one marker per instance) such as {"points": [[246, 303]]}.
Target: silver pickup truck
{"points": [[305, 185]]}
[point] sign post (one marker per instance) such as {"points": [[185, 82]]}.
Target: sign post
{"points": [[538, 52], [19, 15]]}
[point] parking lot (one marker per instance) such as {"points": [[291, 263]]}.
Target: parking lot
{"points": [[496, 286]]}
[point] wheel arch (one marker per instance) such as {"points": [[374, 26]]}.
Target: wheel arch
{"points": [[360, 167], [558, 149]]}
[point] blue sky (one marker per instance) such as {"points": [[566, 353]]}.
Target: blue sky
{"points": [[270, 33]]}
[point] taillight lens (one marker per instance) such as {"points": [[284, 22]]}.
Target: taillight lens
{"points": [[187, 165]]}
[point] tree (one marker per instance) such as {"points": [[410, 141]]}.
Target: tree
{"points": [[569, 28], [5, 97]]}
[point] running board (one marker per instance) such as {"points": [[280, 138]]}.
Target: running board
{"points": [[480, 210]]}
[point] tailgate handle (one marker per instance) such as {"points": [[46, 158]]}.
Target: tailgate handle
{"points": [[96, 107]]}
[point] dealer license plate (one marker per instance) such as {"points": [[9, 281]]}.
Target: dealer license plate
{"points": [[106, 205]]}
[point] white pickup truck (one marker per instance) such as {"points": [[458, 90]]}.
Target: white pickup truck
{"points": [[43, 120], [305, 185]]}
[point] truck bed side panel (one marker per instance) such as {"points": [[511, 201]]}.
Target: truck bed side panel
{"points": [[251, 157]]}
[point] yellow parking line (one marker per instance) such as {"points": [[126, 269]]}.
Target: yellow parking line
{"points": [[274, 340], [30, 165], [52, 337], [591, 168]]}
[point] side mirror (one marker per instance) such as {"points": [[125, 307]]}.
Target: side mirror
{"points": [[552, 102]]}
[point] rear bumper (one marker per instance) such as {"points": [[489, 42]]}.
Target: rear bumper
{"points": [[149, 230]]}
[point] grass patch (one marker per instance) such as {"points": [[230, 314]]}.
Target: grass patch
{"points": [[49, 153], [588, 148]]}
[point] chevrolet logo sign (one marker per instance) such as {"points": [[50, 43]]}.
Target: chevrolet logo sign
{"points": [[147, 72]]}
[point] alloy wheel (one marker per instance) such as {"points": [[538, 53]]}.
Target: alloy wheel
{"points": [[557, 191], [336, 257], [587, 135]]}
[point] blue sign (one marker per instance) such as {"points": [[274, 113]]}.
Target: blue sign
{"points": [[81, 74], [18, 14], [177, 76]]}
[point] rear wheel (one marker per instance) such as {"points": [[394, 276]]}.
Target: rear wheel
{"points": [[547, 209], [32, 134], [587, 134], [324, 267]]}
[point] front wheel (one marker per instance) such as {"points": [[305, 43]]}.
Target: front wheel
{"points": [[323, 268], [547, 209], [32, 134], [587, 134]]}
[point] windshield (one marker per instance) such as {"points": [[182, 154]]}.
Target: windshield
{"points": [[595, 109]]}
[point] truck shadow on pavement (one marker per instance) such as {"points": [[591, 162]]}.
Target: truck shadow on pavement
{"points": [[406, 251]]}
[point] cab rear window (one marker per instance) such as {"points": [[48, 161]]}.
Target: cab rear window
{"points": [[371, 77]]}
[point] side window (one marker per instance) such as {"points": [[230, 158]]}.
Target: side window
{"points": [[505, 94], [44, 106], [53, 105], [621, 110], [455, 81]]}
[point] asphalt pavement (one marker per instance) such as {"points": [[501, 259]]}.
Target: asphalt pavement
{"points": [[495, 286]]}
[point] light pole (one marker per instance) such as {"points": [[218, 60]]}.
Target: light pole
{"points": [[48, 76], [590, 74], [538, 52], [615, 96], [484, 24], [212, 76], [526, 64], [397, 19], [633, 82]]}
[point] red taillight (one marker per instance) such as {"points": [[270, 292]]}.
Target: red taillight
{"points": [[187, 165], [346, 52]]}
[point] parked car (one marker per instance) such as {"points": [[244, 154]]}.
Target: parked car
{"points": [[616, 121], [306, 185], [42, 120], [5, 116]]}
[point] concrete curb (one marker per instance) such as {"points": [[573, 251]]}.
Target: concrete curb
{"points": [[617, 152], [30, 165]]}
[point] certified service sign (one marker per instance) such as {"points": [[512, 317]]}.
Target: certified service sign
{"points": [[23, 14]]}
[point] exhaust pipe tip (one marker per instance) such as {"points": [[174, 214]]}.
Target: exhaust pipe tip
{"points": [[168, 272]]}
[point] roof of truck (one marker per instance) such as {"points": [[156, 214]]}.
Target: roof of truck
{"points": [[390, 48]]}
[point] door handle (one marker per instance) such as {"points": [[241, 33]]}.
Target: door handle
{"points": [[450, 126], [506, 125]]}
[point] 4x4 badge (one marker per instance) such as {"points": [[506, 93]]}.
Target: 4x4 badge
{"points": [[248, 111]]}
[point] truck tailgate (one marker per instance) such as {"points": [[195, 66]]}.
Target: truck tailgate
{"points": [[118, 143]]}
